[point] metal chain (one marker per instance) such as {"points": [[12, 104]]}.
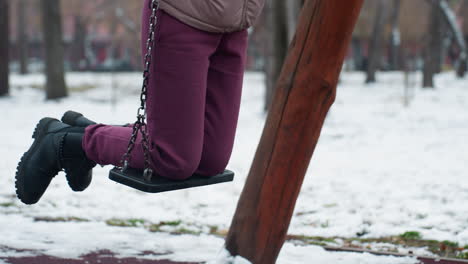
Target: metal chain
{"points": [[140, 125]]}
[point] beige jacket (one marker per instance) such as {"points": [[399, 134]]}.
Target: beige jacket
{"points": [[215, 15]]}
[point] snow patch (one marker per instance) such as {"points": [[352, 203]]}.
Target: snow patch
{"points": [[379, 169], [224, 257]]}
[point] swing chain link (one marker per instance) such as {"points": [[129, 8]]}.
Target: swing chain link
{"points": [[140, 125]]}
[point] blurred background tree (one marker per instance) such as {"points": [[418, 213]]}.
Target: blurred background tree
{"points": [[104, 35], [53, 43], [395, 37], [22, 37], [377, 38], [4, 47], [279, 20], [432, 53]]}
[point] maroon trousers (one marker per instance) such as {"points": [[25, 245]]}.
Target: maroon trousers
{"points": [[193, 102]]}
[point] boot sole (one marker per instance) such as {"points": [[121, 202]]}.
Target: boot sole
{"points": [[39, 132]]}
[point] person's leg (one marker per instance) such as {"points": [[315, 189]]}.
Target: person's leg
{"points": [[175, 105], [225, 78]]}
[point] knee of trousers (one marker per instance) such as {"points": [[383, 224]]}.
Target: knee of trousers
{"points": [[214, 164], [177, 170]]}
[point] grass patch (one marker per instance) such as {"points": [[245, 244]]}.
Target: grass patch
{"points": [[176, 227], [185, 231], [411, 235], [70, 88], [180, 230], [462, 255], [158, 227], [450, 244], [60, 219], [408, 239], [7, 204], [313, 240], [81, 88], [171, 223], [125, 222], [133, 222]]}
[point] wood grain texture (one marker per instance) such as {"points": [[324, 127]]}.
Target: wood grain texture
{"points": [[304, 93]]}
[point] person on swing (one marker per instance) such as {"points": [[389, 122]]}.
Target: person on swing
{"points": [[193, 101]]}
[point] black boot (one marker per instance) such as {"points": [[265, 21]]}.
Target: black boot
{"points": [[56, 147], [73, 118], [78, 177], [78, 168]]}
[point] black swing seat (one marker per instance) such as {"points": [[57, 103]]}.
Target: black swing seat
{"points": [[134, 179]]}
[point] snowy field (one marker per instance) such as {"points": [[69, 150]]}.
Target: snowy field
{"points": [[380, 169]]}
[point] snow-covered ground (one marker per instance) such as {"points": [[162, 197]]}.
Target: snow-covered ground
{"points": [[380, 169]]}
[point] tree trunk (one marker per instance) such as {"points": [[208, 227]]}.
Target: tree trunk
{"points": [[304, 93], [22, 37], [395, 38], [463, 65], [268, 66], [293, 8], [78, 55], [358, 59], [4, 47], [449, 17], [462, 13], [52, 28], [433, 47], [376, 44], [277, 45]]}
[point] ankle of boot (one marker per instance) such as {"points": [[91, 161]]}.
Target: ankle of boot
{"points": [[71, 148]]}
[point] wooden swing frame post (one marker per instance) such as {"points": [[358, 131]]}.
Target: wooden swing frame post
{"points": [[304, 93]]}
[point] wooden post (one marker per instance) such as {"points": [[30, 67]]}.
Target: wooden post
{"points": [[304, 93]]}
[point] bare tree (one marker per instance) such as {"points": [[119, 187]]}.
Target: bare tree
{"points": [[280, 21], [276, 36], [4, 47], [462, 11], [22, 36], [52, 29], [395, 36], [434, 46], [293, 8], [375, 49], [450, 19], [78, 47], [122, 18]]}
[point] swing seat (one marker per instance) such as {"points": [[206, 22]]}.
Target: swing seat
{"points": [[134, 179]]}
